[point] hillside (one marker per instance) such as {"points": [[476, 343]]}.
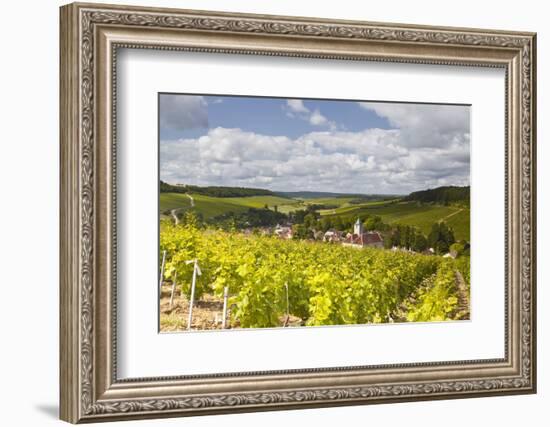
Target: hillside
{"points": [[330, 195], [420, 209], [442, 195], [214, 191], [210, 207], [421, 215]]}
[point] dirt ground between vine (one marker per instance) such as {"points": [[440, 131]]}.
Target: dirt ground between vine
{"points": [[207, 313]]}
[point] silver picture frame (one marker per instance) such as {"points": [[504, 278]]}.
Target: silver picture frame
{"points": [[90, 37]]}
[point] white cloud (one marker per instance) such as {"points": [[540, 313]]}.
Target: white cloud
{"points": [[234, 145], [370, 161], [182, 112], [317, 118], [425, 125], [297, 106]]}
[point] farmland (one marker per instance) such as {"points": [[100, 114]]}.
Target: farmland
{"points": [[211, 207], [334, 201], [421, 215], [395, 211]]}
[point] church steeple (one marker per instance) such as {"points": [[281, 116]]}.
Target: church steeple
{"points": [[358, 227]]}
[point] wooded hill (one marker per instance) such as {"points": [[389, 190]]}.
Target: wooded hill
{"points": [[442, 195], [214, 191]]}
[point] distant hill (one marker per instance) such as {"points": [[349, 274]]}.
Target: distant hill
{"points": [[311, 194], [325, 194], [442, 195], [214, 191]]}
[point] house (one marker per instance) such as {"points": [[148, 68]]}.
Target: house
{"points": [[266, 231], [333, 236], [284, 232], [370, 238], [360, 238], [318, 235]]}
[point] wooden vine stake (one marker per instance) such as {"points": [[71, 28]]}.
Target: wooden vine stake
{"points": [[173, 288], [196, 272], [162, 271], [225, 296], [287, 306]]}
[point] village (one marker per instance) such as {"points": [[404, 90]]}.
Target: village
{"points": [[359, 238]]}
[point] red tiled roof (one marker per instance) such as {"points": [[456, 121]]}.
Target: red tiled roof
{"points": [[371, 238], [366, 238]]}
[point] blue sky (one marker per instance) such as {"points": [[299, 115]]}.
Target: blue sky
{"points": [[285, 144], [270, 116]]}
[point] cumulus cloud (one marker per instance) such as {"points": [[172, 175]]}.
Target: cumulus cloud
{"points": [[181, 112], [317, 118], [426, 125], [296, 108], [369, 161]]}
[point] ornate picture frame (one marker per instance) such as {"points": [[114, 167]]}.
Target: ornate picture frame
{"points": [[90, 37]]}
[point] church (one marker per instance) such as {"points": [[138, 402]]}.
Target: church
{"points": [[361, 238]]}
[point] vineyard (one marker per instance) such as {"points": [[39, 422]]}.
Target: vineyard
{"points": [[269, 281]]}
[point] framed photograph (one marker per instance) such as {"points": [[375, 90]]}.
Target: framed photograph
{"points": [[266, 212], [263, 200]]}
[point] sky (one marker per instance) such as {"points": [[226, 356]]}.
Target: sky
{"points": [[284, 144]]}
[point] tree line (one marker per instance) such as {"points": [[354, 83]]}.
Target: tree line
{"points": [[214, 191], [442, 195]]}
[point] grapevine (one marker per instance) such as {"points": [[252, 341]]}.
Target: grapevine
{"points": [[328, 284]]}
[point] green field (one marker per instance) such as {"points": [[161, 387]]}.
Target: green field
{"points": [[460, 223], [283, 204], [213, 206], [412, 213], [347, 209], [338, 201], [392, 212], [169, 201]]}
